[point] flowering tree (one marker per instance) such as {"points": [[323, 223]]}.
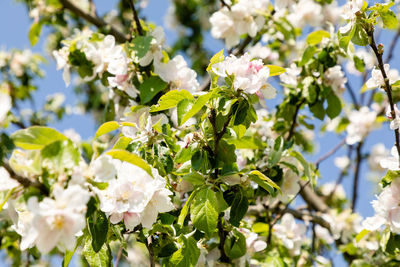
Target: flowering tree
{"points": [[198, 165]]}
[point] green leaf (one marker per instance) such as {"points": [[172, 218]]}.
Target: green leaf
{"points": [[396, 85], [235, 245], [142, 45], [185, 209], [359, 64], [194, 178], [388, 17], [34, 32], [200, 161], [188, 253], [102, 258], [246, 142], [98, 226], [307, 55], [360, 36], [259, 178], [260, 227], [239, 208], [318, 110], [131, 158], [197, 106], [317, 36], [305, 164], [182, 109], [36, 137], [203, 211], [122, 142], [106, 128], [275, 70], [150, 88], [334, 106], [171, 100], [7, 197], [360, 235], [218, 57]]}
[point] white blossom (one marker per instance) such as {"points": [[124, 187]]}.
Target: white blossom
{"points": [[135, 197], [155, 50], [291, 75], [327, 190], [305, 12], [367, 57], [349, 14], [178, 74], [335, 78], [361, 123], [391, 163], [387, 209], [342, 162], [395, 122], [377, 80], [291, 234], [104, 168], [263, 52], [241, 18], [19, 61], [249, 75], [55, 222]]}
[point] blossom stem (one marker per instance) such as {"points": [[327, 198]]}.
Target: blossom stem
{"points": [[136, 18], [356, 176], [98, 22], [387, 87]]}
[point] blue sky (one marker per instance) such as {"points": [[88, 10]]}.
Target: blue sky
{"points": [[14, 28]]}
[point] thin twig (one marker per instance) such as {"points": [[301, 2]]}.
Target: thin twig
{"points": [[356, 176], [294, 121], [225, 4], [136, 18], [352, 95], [149, 246], [119, 254], [98, 22], [392, 46], [330, 153]]}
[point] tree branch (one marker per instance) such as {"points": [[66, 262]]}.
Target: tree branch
{"points": [[96, 21], [356, 176], [330, 153], [293, 126], [387, 87], [136, 18]]}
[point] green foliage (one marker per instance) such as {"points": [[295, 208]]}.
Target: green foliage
{"points": [[106, 127], [171, 100], [102, 258], [131, 158], [204, 211], [188, 253], [36, 137], [150, 88], [141, 45]]}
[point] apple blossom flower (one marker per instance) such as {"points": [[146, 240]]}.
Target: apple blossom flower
{"points": [[291, 75], [135, 197], [391, 163], [290, 233], [19, 60], [104, 168], [241, 18], [61, 57], [323, 233], [344, 224], [342, 162], [395, 122], [387, 209], [361, 123], [177, 73], [155, 50], [368, 58], [377, 81], [249, 75], [335, 78], [290, 186], [263, 52], [327, 190], [55, 222], [349, 14], [305, 12]]}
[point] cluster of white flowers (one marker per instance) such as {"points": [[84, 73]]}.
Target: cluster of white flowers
{"points": [[344, 224], [378, 153], [395, 122], [342, 162], [178, 74], [132, 195], [290, 77], [53, 222], [349, 14], [377, 80], [249, 75], [335, 78], [241, 18], [391, 163], [361, 123], [290, 233], [387, 209]]}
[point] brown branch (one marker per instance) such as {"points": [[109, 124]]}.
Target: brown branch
{"points": [[352, 95], [387, 87], [356, 176], [96, 21], [136, 18], [149, 246], [312, 199], [25, 182], [293, 126], [225, 4]]}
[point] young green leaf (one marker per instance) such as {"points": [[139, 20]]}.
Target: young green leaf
{"points": [[188, 253], [204, 211], [316, 37], [275, 70], [106, 128], [131, 158], [36, 137], [141, 45], [197, 106], [171, 100], [150, 88]]}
